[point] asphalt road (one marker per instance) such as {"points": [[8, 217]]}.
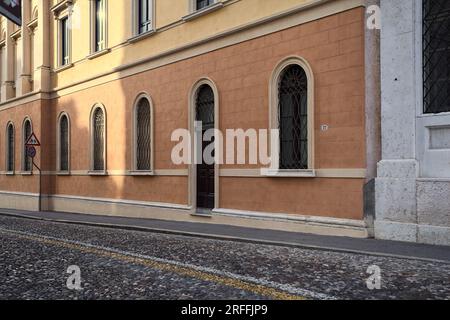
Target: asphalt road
{"points": [[118, 264]]}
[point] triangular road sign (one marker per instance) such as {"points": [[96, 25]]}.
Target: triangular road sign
{"points": [[33, 141]]}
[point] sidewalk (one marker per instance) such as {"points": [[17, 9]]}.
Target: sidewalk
{"points": [[317, 242]]}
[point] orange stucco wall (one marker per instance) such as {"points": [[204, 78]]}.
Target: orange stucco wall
{"points": [[333, 46]]}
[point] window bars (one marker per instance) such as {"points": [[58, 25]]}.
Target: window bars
{"points": [[64, 144], [143, 136], [99, 140], [436, 56], [27, 161], [10, 156], [293, 118]]}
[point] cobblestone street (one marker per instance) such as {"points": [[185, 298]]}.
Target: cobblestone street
{"points": [[120, 264]]}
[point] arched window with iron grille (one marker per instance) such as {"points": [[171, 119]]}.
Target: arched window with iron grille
{"points": [[98, 147], [64, 143], [27, 131], [143, 135], [293, 118], [10, 148]]}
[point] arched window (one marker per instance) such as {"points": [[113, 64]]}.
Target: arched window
{"points": [[98, 139], [63, 139], [293, 117], [204, 108], [143, 135], [27, 162], [10, 148], [206, 172]]}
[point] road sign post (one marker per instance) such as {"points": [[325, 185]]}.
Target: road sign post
{"points": [[31, 144]]}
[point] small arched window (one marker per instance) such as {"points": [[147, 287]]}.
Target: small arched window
{"points": [[27, 161], [10, 148], [98, 139], [63, 143], [204, 108], [293, 118], [143, 135]]}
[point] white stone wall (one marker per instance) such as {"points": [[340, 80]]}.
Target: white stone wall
{"points": [[408, 206]]}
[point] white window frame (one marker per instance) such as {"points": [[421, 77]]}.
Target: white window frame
{"points": [[63, 10], [193, 5], [61, 44], [92, 170], [194, 13], [58, 144], [2, 65], [10, 172], [136, 19], [24, 138], [274, 170], [93, 30], [134, 170]]}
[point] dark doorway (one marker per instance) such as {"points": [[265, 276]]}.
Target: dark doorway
{"points": [[204, 112]]}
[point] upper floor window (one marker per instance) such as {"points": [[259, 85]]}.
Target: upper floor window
{"points": [[98, 139], [145, 15], [143, 135], [64, 41], [63, 143], [198, 8], [99, 25], [436, 56], [2, 64], [200, 4], [10, 148], [27, 162]]}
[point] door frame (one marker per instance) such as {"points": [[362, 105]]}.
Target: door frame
{"points": [[192, 171]]}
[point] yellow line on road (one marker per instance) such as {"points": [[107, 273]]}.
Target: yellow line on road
{"points": [[180, 270]]}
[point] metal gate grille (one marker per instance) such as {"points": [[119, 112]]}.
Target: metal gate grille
{"points": [[436, 56], [64, 144], [99, 140], [293, 118], [10, 166], [143, 136], [27, 162]]}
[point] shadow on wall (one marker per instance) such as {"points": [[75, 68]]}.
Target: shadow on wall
{"points": [[166, 89]]}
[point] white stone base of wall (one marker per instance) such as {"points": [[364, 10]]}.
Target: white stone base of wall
{"points": [[411, 209], [175, 212], [409, 232], [19, 201]]}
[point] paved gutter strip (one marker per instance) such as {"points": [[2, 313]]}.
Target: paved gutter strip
{"points": [[259, 286], [223, 237]]}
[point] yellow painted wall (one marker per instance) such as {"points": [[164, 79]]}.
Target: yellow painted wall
{"points": [[176, 32]]}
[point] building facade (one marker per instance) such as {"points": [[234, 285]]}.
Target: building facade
{"points": [[104, 85], [413, 184]]}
